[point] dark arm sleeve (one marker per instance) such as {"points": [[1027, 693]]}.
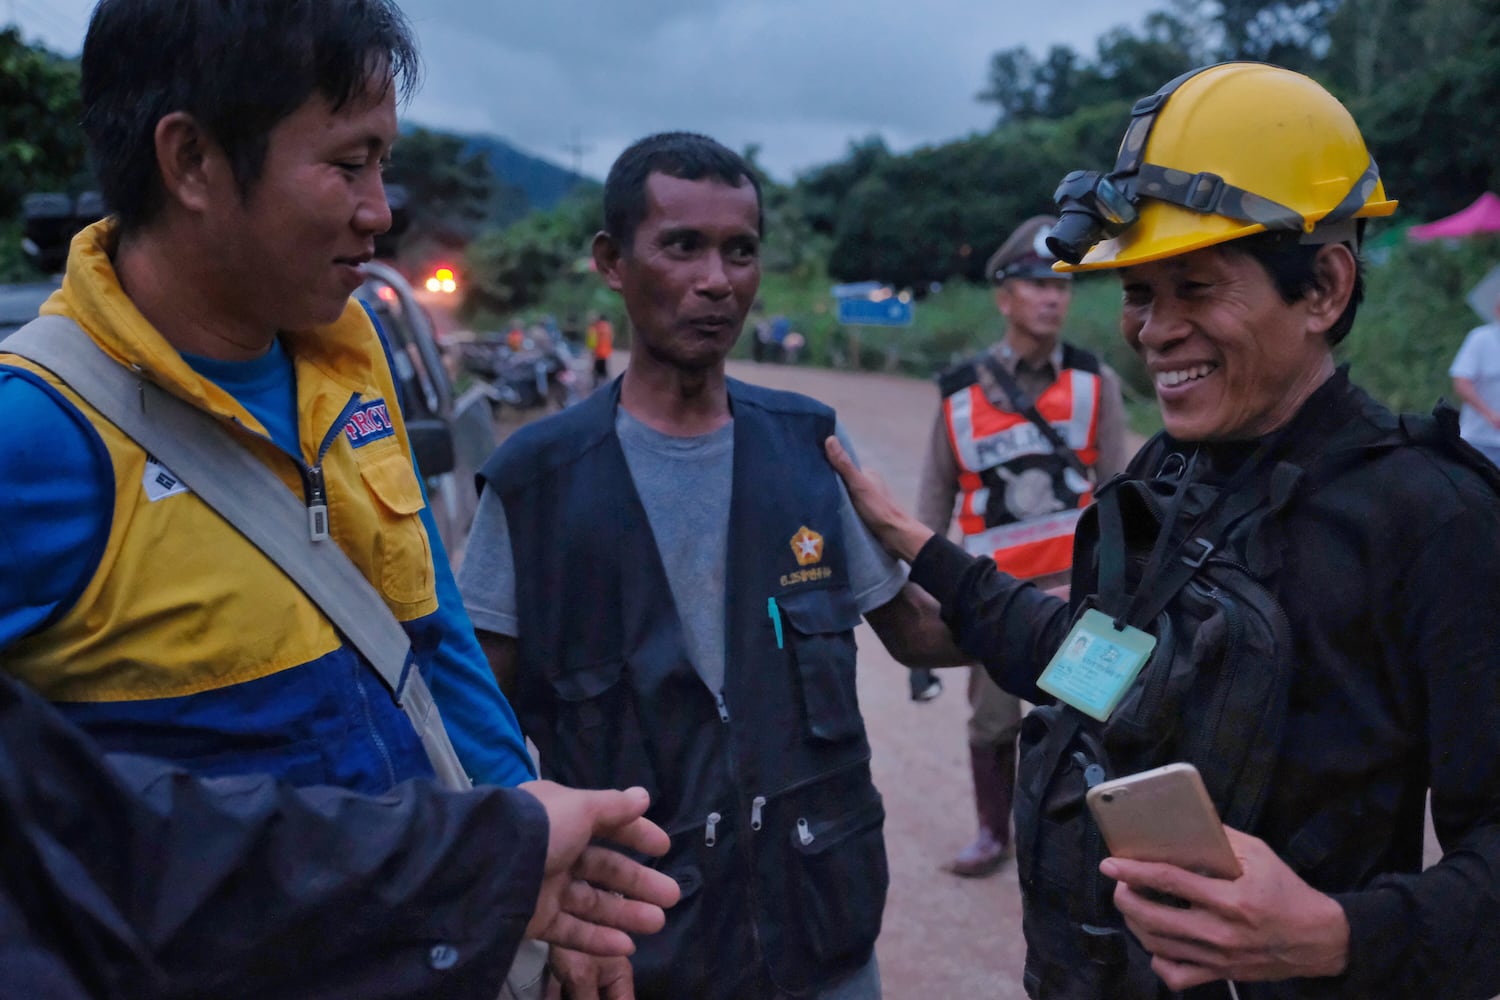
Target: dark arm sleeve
{"points": [[137, 879], [1009, 625], [1437, 933]]}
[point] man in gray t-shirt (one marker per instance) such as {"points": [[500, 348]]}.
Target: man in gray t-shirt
{"points": [[692, 536], [681, 248]]}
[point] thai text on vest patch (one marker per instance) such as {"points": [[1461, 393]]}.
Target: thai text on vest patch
{"points": [[370, 422], [806, 576]]}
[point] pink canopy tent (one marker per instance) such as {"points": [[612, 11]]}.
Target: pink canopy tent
{"points": [[1481, 217]]}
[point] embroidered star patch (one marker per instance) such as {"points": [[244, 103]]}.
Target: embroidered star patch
{"points": [[807, 546]]}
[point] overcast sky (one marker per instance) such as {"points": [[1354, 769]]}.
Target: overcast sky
{"points": [[800, 78]]}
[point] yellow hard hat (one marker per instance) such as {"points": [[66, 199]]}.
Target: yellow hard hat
{"points": [[1217, 154]]}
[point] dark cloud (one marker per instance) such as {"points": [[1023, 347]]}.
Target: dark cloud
{"points": [[798, 79]]}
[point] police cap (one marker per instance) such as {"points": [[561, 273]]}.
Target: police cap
{"points": [[1024, 254]]}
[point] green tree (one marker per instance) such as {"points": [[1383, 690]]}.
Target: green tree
{"points": [[1431, 119], [938, 213], [41, 145], [821, 192], [510, 269], [1013, 85], [1290, 33], [452, 192]]}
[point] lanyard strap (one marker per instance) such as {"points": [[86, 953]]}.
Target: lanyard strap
{"points": [[1171, 564]]}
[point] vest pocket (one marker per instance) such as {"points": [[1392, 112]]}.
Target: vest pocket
{"points": [[836, 884], [402, 553], [596, 740], [821, 639]]}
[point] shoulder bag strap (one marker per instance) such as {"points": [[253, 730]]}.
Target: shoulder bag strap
{"points": [[254, 501], [1026, 407]]}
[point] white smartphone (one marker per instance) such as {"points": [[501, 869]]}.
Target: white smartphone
{"points": [[1164, 815]]}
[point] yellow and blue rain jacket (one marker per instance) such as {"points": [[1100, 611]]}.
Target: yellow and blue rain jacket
{"points": [[161, 630]]}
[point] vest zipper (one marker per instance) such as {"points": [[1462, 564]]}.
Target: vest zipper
{"points": [[804, 832], [756, 805], [360, 672], [710, 830], [722, 706], [314, 486], [315, 491]]}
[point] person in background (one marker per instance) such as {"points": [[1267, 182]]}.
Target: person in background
{"points": [[601, 344], [667, 578], [1476, 381], [1019, 490]]}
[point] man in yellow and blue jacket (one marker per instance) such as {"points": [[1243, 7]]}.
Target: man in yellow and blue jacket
{"points": [[224, 275]]}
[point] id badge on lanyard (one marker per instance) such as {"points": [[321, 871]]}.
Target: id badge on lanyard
{"points": [[1096, 664]]}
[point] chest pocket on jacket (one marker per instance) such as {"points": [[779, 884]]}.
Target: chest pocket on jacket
{"points": [[402, 555], [596, 739], [821, 639]]}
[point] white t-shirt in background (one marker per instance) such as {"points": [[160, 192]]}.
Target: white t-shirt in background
{"points": [[1479, 361]]}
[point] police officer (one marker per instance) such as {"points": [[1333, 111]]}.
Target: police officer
{"points": [[1020, 490]]}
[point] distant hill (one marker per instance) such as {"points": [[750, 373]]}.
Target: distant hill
{"points": [[544, 182]]}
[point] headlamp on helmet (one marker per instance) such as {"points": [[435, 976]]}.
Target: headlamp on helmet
{"points": [[1090, 208]]}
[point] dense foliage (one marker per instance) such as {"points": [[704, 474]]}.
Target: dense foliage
{"points": [[1422, 78], [41, 146]]}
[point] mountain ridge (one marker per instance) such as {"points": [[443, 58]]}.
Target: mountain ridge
{"points": [[544, 182]]}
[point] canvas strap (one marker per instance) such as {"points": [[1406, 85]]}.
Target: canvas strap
{"points": [[247, 494]]}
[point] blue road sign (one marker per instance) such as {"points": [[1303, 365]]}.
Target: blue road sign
{"points": [[865, 312]]}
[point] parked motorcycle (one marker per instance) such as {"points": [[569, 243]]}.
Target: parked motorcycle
{"points": [[539, 374]]}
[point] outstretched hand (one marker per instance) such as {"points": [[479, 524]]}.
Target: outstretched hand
{"points": [[897, 530], [1267, 924], [593, 898], [586, 977]]}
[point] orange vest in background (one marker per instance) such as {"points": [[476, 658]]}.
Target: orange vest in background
{"points": [[1021, 501], [602, 339]]}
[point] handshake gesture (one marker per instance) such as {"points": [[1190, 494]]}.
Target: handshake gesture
{"points": [[593, 898]]}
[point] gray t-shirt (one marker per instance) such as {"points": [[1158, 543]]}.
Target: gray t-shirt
{"points": [[684, 484]]}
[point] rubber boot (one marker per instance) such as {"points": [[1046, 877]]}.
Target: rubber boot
{"points": [[925, 685], [994, 770]]}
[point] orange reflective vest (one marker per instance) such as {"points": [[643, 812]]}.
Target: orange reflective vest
{"points": [[601, 339], [1021, 501]]}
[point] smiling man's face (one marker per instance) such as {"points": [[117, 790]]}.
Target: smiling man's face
{"points": [[692, 270], [1230, 359], [288, 255]]}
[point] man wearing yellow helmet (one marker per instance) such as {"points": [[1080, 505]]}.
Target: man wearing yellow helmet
{"points": [[1294, 590]]}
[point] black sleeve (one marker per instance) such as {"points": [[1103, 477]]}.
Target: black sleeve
{"points": [[1009, 625], [1437, 933], [129, 878]]}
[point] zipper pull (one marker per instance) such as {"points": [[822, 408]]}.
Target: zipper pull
{"points": [[710, 837], [317, 505], [803, 833], [775, 614], [1093, 772], [756, 805], [723, 708]]}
